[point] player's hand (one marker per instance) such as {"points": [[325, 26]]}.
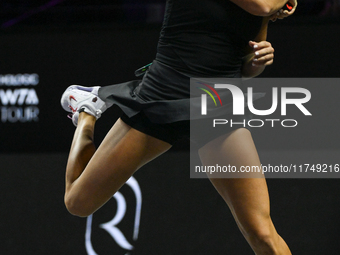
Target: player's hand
{"points": [[281, 14], [263, 53]]}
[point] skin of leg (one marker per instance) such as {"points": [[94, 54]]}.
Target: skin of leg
{"points": [[93, 176], [247, 198]]}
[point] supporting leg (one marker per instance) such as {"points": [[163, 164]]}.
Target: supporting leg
{"points": [[247, 198]]}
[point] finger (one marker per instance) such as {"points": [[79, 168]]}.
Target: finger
{"points": [[252, 43], [281, 14], [273, 17], [261, 45], [264, 58], [262, 48], [266, 62], [294, 4], [263, 53], [292, 10]]}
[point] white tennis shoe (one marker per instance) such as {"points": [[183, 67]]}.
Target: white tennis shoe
{"points": [[77, 98]]}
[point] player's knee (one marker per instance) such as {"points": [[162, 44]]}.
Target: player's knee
{"points": [[76, 207], [262, 236], [263, 239]]}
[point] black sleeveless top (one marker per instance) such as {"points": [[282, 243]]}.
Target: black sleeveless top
{"points": [[206, 37], [199, 38]]}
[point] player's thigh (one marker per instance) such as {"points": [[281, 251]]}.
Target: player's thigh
{"points": [[247, 198], [121, 153]]}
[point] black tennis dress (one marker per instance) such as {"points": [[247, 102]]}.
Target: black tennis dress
{"points": [[199, 38]]}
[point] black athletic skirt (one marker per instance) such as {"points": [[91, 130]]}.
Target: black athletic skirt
{"points": [[159, 105]]}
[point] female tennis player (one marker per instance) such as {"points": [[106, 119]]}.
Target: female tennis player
{"points": [[206, 38]]}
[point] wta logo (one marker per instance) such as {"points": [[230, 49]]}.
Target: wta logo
{"points": [[204, 97]]}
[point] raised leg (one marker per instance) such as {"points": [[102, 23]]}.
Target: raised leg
{"points": [[93, 176], [247, 198]]}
